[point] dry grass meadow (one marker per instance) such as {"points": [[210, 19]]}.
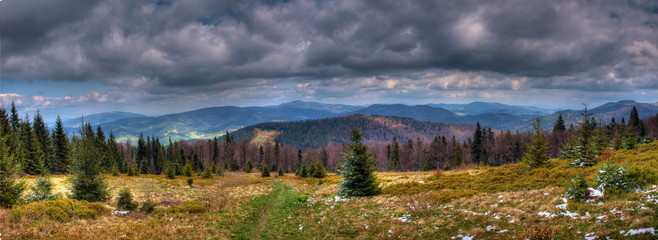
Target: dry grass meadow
{"points": [[507, 202]]}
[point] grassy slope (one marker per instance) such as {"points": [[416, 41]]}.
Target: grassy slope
{"points": [[507, 202]]}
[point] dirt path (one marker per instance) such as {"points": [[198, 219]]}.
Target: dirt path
{"points": [[269, 214]]}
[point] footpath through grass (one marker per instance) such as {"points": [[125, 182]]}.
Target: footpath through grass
{"points": [[272, 216]]}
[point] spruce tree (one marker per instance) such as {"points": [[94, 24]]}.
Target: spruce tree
{"points": [[88, 183], [536, 154], [43, 139], [636, 123], [478, 151], [395, 155], [358, 177], [35, 162], [318, 170], [10, 189], [60, 160], [559, 124], [265, 170], [15, 120]]}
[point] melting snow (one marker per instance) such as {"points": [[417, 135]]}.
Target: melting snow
{"points": [[650, 230]]}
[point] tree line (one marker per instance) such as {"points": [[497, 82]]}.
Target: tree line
{"points": [[34, 149]]}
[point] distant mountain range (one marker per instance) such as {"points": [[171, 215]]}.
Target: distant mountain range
{"points": [[100, 118], [478, 108], [211, 122]]}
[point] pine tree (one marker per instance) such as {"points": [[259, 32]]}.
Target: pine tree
{"points": [[358, 177], [88, 183], [559, 124], [536, 154], [60, 160], [395, 155]]}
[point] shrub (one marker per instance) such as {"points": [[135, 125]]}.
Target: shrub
{"points": [[189, 207], [577, 188], [62, 210], [147, 207], [190, 181], [125, 201]]}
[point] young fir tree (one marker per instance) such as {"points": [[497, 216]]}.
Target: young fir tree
{"points": [[265, 170], [207, 172], [60, 160], [536, 154], [249, 166], [318, 170], [187, 169], [42, 189], [125, 201], [358, 177], [88, 183]]}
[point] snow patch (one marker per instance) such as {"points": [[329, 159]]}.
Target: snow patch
{"points": [[595, 192], [650, 230]]}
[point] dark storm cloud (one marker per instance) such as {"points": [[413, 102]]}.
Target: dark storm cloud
{"points": [[197, 43]]}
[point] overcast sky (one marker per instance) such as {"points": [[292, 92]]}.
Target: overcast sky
{"points": [[84, 56]]}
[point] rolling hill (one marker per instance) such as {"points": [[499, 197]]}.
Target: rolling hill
{"points": [[376, 129]]}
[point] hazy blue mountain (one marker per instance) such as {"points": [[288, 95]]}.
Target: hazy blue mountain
{"points": [[477, 108], [332, 108], [207, 122], [376, 129], [99, 118]]}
